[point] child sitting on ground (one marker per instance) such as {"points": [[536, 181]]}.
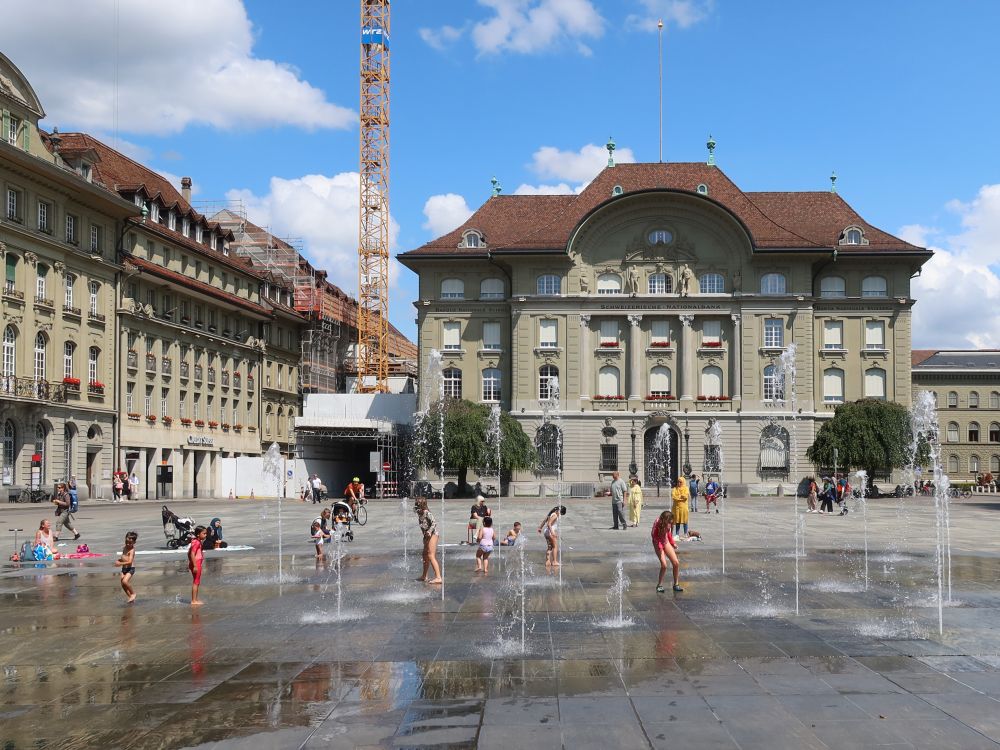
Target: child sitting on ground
{"points": [[512, 536]]}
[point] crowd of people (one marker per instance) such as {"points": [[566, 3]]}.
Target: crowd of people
{"points": [[836, 489]]}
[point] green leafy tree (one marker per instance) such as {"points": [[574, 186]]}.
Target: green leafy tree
{"points": [[465, 440], [868, 434]]}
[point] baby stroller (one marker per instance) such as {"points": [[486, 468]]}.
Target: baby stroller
{"points": [[342, 517], [178, 531]]}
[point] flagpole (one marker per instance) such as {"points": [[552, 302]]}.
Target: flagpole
{"points": [[659, 26]]}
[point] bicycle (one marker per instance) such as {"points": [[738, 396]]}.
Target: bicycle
{"points": [[962, 492], [361, 513], [490, 490], [34, 496]]}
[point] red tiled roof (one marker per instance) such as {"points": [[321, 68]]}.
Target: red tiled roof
{"points": [[920, 355], [200, 286], [774, 220]]}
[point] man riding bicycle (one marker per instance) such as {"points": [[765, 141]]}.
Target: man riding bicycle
{"points": [[354, 492]]}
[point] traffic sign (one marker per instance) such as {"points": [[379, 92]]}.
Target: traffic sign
{"points": [[386, 466]]}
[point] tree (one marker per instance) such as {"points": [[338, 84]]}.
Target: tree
{"points": [[868, 434], [465, 441]]}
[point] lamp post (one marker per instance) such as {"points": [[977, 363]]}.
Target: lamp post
{"points": [[687, 449], [633, 468]]}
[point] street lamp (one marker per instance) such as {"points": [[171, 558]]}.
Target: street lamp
{"points": [[633, 468], [687, 449]]}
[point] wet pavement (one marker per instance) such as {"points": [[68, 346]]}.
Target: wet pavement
{"points": [[282, 663]]}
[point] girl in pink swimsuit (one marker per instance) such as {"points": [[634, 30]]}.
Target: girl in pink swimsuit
{"points": [[665, 548], [485, 538]]}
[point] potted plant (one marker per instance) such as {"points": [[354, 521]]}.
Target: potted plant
{"points": [[150, 417], [168, 421], [134, 416], [185, 421], [702, 398], [212, 424], [199, 423], [660, 344]]}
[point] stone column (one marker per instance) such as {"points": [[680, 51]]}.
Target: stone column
{"points": [[687, 358], [736, 387], [635, 356], [586, 358]]}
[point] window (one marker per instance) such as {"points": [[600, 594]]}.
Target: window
{"points": [[660, 237], [154, 212], [68, 350], [68, 449], [711, 381], [995, 465], [774, 333], [9, 347], [491, 289], [10, 280], [974, 464], [548, 285], [68, 281], [994, 400], [172, 221], [95, 290], [43, 272], [92, 365], [874, 335], [548, 383], [609, 333], [609, 283], [875, 383], [659, 331], [974, 432], [659, 381], [874, 286], [774, 448], [164, 396], [452, 289], [974, 400], [452, 382], [40, 346], [953, 464], [712, 283], [994, 433], [8, 452], [608, 379], [833, 334], [13, 126], [547, 337], [186, 226], [711, 332], [953, 432], [13, 205], [833, 286], [491, 384], [452, 336], [659, 283], [609, 457], [44, 213], [198, 233], [491, 335], [548, 442], [71, 237], [952, 400], [95, 239], [774, 384], [772, 283], [40, 450], [833, 385], [472, 239]]}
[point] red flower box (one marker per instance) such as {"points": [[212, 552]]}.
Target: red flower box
{"points": [[660, 344], [199, 423], [609, 398], [609, 344], [723, 398], [150, 417], [702, 398], [668, 397], [711, 344], [185, 421], [213, 424], [71, 381], [168, 420]]}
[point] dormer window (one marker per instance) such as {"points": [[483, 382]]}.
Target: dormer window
{"points": [[172, 221], [472, 239], [186, 226], [138, 200], [85, 171], [154, 212], [853, 235], [197, 233]]}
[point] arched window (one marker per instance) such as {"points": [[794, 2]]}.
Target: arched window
{"points": [[875, 383], [833, 385], [280, 422], [659, 381], [711, 381], [953, 464], [548, 443], [472, 239], [491, 384], [7, 454], [974, 400], [608, 379], [833, 286], [874, 286], [452, 382], [95, 295], [548, 382], [40, 346], [69, 349], [659, 283], [995, 466], [491, 288], [994, 400], [774, 449], [9, 347], [548, 284], [772, 283], [952, 399], [40, 452], [92, 365], [267, 420], [452, 289], [974, 464], [609, 283], [953, 432], [852, 236], [994, 434], [774, 384], [712, 283], [68, 435], [973, 432]]}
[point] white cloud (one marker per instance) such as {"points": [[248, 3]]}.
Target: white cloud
{"points": [[525, 27], [445, 212], [322, 212], [175, 180], [958, 292], [561, 189], [190, 63], [680, 13], [573, 169]]}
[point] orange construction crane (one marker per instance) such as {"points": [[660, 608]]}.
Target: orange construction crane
{"points": [[373, 234]]}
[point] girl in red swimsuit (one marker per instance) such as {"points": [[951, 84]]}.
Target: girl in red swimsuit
{"points": [[665, 548]]}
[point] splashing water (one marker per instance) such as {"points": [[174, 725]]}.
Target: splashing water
{"points": [[787, 393], [616, 600], [511, 610], [274, 470], [862, 477], [551, 415], [714, 433]]}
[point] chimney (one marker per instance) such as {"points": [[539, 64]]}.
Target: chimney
{"points": [[186, 188]]}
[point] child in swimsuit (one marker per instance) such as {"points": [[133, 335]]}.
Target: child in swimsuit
{"points": [[125, 563], [512, 536], [195, 559], [485, 539]]}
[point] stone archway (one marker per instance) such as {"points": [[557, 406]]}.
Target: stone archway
{"points": [[661, 452]]}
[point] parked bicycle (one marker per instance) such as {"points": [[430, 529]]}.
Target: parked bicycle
{"points": [[34, 496], [959, 492]]}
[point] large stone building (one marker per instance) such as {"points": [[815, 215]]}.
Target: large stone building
{"points": [[966, 386], [663, 294]]}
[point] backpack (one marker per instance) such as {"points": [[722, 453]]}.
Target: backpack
{"points": [[74, 502], [27, 552]]}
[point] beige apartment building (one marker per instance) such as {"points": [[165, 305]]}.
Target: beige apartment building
{"points": [[662, 297], [58, 229], [966, 386]]}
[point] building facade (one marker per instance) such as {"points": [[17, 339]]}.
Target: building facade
{"points": [[57, 242], [966, 386], [620, 326]]}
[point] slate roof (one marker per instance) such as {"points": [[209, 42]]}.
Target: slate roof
{"points": [[962, 359]]}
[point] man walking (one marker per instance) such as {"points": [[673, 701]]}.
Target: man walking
{"points": [[618, 492], [693, 490], [316, 484]]}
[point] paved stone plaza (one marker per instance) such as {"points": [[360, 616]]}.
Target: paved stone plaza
{"points": [[725, 664]]}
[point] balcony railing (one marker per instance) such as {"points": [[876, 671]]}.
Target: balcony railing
{"points": [[237, 381], [211, 376], [10, 291], [225, 379], [150, 363], [71, 311], [197, 373], [96, 316], [166, 365], [42, 301], [185, 368], [132, 360], [41, 390]]}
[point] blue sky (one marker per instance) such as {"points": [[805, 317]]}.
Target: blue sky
{"points": [[256, 100]]}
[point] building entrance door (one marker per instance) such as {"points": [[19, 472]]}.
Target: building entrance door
{"points": [[199, 459], [661, 455]]}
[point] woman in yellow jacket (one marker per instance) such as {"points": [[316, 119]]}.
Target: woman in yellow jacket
{"points": [[681, 497], [634, 501]]}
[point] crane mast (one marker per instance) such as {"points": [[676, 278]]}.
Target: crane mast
{"points": [[373, 233]]}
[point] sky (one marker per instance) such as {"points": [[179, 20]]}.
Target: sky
{"points": [[257, 101]]}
